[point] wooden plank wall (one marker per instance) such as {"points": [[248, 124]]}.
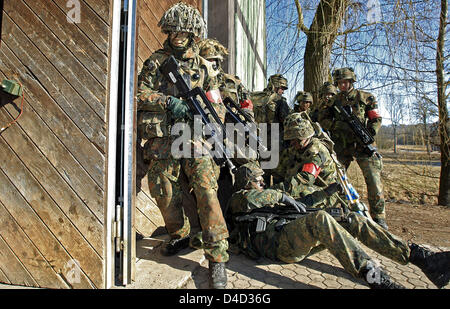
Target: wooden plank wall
{"points": [[52, 161], [150, 39]]}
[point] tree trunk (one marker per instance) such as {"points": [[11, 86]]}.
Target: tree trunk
{"points": [[395, 139], [444, 126], [320, 39]]}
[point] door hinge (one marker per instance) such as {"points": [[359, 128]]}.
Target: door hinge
{"points": [[118, 239]]}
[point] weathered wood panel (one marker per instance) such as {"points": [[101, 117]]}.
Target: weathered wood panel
{"points": [[52, 165]]}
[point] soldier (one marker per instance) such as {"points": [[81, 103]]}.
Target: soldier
{"points": [[230, 85], [159, 108], [303, 102], [326, 92], [307, 162], [293, 240], [270, 107], [365, 107]]}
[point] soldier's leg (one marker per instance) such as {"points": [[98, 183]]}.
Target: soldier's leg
{"points": [[299, 237], [318, 230], [202, 179], [164, 188], [377, 238], [371, 168]]}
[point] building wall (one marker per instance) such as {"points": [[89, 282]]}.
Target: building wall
{"points": [[240, 26], [250, 46], [52, 161]]}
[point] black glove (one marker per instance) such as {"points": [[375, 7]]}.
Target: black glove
{"points": [[289, 201], [333, 188]]}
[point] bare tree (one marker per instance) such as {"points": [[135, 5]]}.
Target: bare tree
{"points": [[396, 110]]}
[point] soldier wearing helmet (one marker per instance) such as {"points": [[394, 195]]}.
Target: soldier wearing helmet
{"points": [[306, 162], [293, 238], [159, 108], [302, 102], [365, 107], [270, 107], [326, 92], [230, 85]]}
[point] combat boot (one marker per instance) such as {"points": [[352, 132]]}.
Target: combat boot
{"points": [[174, 246], [381, 222], [435, 265], [217, 275], [377, 278]]}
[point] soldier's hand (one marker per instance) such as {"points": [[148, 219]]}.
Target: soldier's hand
{"points": [[289, 201], [179, 108]]}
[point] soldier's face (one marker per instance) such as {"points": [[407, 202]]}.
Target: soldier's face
{"points": [[179, 39], [304, 106], [344, 85], [258, 183], [280, 91], [328, 96]]}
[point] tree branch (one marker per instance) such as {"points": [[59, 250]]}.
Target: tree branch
{"points": [[301, 25]]}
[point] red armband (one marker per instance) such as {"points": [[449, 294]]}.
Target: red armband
{"points": [[214, 96], [373, 114], [247, 104], [312, 169]]}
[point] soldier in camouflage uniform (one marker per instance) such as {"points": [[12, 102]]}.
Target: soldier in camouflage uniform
{"points": [[365, 107], [303, 102], [294, 240], [159, 108], [326, 92], [270, 107], [232, 87]]}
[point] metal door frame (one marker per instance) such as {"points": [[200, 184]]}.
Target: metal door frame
{"points": [[120, 183]]}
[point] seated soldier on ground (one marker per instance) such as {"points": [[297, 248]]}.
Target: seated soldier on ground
{"points": [[294, 240]]}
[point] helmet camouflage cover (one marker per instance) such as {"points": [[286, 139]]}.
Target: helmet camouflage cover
{"points": [[212, 49], [247, 173], [303, 96], [327, 87], [297, 127], [344, 73], [277, 81], [183, 17]]}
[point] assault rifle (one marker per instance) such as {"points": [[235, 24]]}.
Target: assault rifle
{"points": [[247, 122], [359, 129], [170, 70], [283, 214]]}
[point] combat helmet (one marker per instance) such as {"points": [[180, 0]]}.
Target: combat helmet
{"points": [[297, 127], [344, 73], [303, 96], [327, 87], [211, 49], [183, 17], [247, 173], [277, 81]]}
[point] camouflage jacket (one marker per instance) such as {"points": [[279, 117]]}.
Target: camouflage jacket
{"points": [[364, 106], [244, 235], [269, 107], [154, 120], [231, 86], [298, 170]]}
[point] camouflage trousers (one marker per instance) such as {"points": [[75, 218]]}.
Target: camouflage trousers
{"points": [[317, 231], [371, 168], [164, 184]]}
